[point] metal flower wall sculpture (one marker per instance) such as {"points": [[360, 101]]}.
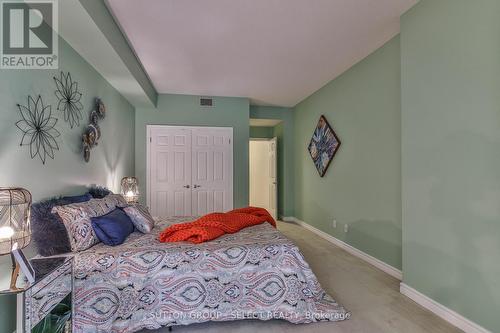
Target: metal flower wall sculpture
{"points": [[38, 127], [69, 99]]}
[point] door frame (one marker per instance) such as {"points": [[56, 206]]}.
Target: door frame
{"points": [[148, 155], [276, 166]]}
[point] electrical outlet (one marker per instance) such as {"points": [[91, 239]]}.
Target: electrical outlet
{"points": [[346, 228], [334, 223]]}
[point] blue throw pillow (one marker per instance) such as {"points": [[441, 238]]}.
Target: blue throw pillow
{"points": [[113, 228], [78, 198]]}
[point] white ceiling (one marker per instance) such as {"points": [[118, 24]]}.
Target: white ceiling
{"points": [[276, 52]]}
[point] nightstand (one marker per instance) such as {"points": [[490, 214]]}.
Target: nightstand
{"points": [[52, 289]]}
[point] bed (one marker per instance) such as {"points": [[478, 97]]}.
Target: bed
{"points": [[256, 273]]}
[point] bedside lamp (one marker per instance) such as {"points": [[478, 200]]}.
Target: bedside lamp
{"points": [[130, 189], [15, 229]]}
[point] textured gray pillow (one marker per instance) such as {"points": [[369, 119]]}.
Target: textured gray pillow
{"points": [[142, 220], [48, 231]]}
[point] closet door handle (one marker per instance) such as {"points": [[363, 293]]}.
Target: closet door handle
{"points": [[186, 186], [196, 186]]}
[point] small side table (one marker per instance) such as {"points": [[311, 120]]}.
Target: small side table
{"points": [[53, 284]]}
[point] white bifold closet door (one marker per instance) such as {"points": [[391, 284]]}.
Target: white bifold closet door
{"points": [[212, 170], [190, 170]]}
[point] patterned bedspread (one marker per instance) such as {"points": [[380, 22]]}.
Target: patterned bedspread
{"points": [[256, 273]]}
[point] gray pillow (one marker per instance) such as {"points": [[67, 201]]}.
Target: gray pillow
{"points": [[141, 218], [48, 231]]}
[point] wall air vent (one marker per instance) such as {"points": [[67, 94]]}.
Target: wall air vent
{"points": [[206, 102]]}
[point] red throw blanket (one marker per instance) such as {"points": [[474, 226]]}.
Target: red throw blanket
{"points": [[214, 225]]}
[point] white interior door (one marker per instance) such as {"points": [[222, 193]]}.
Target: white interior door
{"points": [[170, 168], [263, 175], [190, 170], [212, 170]]}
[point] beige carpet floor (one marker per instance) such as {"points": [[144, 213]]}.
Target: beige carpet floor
{"points": [[371, 295]]}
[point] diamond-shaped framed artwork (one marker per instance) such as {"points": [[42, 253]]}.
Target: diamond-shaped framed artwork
{"points": [[323, 146]]}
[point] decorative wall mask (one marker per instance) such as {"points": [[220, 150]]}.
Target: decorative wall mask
{"points": [[92, 133], [38, 127], [323, 146], [89, 141], [94, 117], [100, 108], [86, 152], [69, 99], [94, 121]]}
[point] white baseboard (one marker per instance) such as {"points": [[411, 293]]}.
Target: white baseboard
{"points": [[392, 271], [442, 311]]}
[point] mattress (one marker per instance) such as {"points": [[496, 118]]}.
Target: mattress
{"points": [[256, 273]]}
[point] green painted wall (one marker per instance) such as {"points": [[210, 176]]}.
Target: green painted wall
{"points": [[185, 110], [450, 152], [362, 187], [260, 132], [284, 133], [112, 159]]}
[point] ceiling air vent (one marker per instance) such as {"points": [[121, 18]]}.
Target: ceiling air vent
{"points": [[206, 102]]}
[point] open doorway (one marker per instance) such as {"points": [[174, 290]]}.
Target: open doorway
{"points": [[263, 174], [263, 160]]}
